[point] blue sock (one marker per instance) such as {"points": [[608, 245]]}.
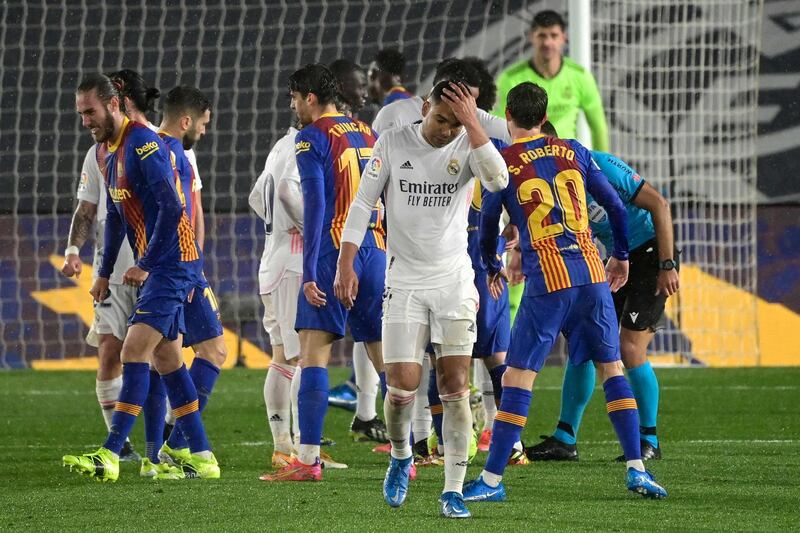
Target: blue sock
{"points": [[186, 408], [507, 428], [155, 407], [204, 376], [575, 395], [435, 404], [135, 382], [624, 416], [645, 389], [382, 377], [312, 404], [497, 381]]}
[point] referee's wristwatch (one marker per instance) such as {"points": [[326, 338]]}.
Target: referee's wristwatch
{"points": [[667, 264]]}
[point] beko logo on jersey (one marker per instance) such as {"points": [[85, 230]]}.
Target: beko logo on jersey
{"points": [[302, 146], [428, 194], [147, 150], [118, 195]]}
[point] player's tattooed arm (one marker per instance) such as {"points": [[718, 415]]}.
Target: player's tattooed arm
{"points": [[82, 221], [79, 231]]}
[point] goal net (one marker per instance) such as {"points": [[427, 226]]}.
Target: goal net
{"points": [[678, 80]]}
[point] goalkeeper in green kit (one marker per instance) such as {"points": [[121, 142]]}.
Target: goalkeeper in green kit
{"points": [[570, 89]]}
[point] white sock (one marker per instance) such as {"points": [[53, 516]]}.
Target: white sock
{"points": [[294, 389], [277, 390], [170, 418], [107, 393], [636, 464], [308, 453], [491, 479], [483, 382], [457, 433], [367, 383], [422, 419], [397, 408]]}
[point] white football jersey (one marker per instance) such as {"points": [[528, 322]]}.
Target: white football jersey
{"points": [[398, 113], [409, 111], [283, 252], [92, 188], [427, 192]]}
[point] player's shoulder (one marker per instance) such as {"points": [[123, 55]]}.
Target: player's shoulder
{"points": [[613, 166], [572, 67], [515, 69], [142, 141], [310, 136], [287, 140]]}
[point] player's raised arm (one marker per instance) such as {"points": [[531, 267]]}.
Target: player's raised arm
{"points": [[376, 174], [485, 160]]}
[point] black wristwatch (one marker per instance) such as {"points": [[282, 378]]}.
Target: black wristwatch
{"points": [[668, 264]]}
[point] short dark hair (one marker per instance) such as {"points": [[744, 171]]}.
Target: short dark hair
{"points": [[185, 100], [548, 129], [527, 105], [343, 67], [101, 83], [131, 84], [457, 69], [391, 60], [548, 18], [315, 78], [435, 96], [488, 90]]}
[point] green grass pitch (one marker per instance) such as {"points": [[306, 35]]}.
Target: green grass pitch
{"points": [[731, 440]]}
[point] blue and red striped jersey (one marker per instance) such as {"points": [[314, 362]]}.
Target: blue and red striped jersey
{"points": [[396, 93], [331, 154], [185, 174], [546, 200], [142, 197]]}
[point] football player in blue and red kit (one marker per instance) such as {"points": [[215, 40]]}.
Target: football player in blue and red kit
{"points": [[331, 152], [143, 203], [567, 290]]}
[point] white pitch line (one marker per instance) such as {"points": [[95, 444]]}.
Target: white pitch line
{"points": [[258, 443]]}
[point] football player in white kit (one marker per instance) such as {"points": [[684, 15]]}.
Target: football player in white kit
{"points": [[277, 199], [425, 172]]}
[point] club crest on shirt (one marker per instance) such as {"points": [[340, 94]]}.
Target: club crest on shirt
{"points": [[453, 168], [84, 183]]}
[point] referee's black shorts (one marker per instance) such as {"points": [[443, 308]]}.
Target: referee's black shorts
{"points": [[637, 305]]}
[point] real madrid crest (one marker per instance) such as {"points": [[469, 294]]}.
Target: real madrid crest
{"points": [[453, 168]]}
